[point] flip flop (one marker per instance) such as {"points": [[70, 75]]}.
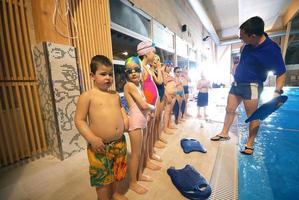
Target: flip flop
{"points": [[247, 148], [220, 138]]}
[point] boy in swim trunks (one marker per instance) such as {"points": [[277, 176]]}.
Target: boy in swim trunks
{"points": [[102, 121], [203, 86], [138, 108]]}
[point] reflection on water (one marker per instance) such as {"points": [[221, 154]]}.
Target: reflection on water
{"points": [[272, 171]]}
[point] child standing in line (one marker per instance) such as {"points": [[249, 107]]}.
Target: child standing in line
{"points": [[170, 93], [146, 52], [179, 95], [203, 86], [138, 108], [157, 70], [107, 150]]}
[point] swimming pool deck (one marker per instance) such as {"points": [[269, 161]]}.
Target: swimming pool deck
{"points": [[49, 178]]}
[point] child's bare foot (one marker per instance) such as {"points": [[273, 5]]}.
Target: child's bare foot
{"points": [[156, 157], [139, 189], [168, 132], [152, 166], [159, 144], [118, 196], [173, 127], [163, 139], [146, 178]]}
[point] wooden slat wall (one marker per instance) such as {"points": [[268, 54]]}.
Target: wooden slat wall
{"points": [[90, 23], [22, 133]]}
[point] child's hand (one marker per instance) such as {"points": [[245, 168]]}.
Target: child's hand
{"points": [[158, 65], [151, 107], [97, 145]]}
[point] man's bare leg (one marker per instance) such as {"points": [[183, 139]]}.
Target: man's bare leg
{"points": [[250, 107], [232, 103]]}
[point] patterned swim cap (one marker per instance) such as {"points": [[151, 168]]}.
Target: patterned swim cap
{"points": [[133, 60], [145, 47]]}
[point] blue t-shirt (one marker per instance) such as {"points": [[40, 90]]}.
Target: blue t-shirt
{"points": [[256, 62]]}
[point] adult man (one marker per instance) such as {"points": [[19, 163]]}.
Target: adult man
{"points": [[259, 56]]}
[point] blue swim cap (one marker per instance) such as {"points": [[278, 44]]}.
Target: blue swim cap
{"points": [[167, 62]]}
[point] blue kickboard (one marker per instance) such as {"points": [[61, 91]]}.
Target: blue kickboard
{"points": [[190, 145], [190, 183], [267, 109]]}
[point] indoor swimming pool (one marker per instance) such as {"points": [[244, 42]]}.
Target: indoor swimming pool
{"points": [[272, 171]]}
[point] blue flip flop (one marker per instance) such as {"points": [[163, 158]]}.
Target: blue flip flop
{"points": [[190, 183], [267, 109], [190, 145]]}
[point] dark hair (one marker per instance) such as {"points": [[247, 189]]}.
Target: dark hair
{"points": [[99, 60], [141, 57], [254, 25], [176, 68]]}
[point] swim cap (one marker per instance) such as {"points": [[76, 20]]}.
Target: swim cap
{"points": [[133, 60], [145, 47], [167, 62]]}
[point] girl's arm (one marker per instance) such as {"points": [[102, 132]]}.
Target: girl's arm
{"points": [[159, 78], [138, 98]]}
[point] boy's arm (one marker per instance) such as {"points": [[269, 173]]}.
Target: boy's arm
{"points": [[82, 125], [124, 115], [138, 98]]}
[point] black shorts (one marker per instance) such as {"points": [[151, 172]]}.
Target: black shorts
{"points": [[248, 91]]}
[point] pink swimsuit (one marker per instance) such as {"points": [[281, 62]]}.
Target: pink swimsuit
{"points": [[137, 119], [150, 90]]}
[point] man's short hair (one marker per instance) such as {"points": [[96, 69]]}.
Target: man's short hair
{"points": [[254, 25], [99, 60]]}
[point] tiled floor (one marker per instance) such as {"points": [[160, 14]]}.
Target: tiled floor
{"points": [[49, 178]]}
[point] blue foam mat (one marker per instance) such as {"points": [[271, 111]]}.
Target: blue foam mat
{"points": [[267, 108], [190, 183], [190, 145]]}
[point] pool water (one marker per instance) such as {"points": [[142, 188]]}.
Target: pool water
{"points": [[272, 172]]}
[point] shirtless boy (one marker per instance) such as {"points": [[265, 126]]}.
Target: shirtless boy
{"points": [[102, 121]]}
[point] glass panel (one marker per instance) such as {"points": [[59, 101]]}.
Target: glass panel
{"points": [[127, 17]]}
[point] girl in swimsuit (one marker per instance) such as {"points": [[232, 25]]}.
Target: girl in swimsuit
{"points": [[179, 95], [138, 108], [170, 92], [156, 70], [146, 51], [186, 81]]}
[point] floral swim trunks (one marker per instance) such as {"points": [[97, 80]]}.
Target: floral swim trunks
{"points": [[109, 167]]}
